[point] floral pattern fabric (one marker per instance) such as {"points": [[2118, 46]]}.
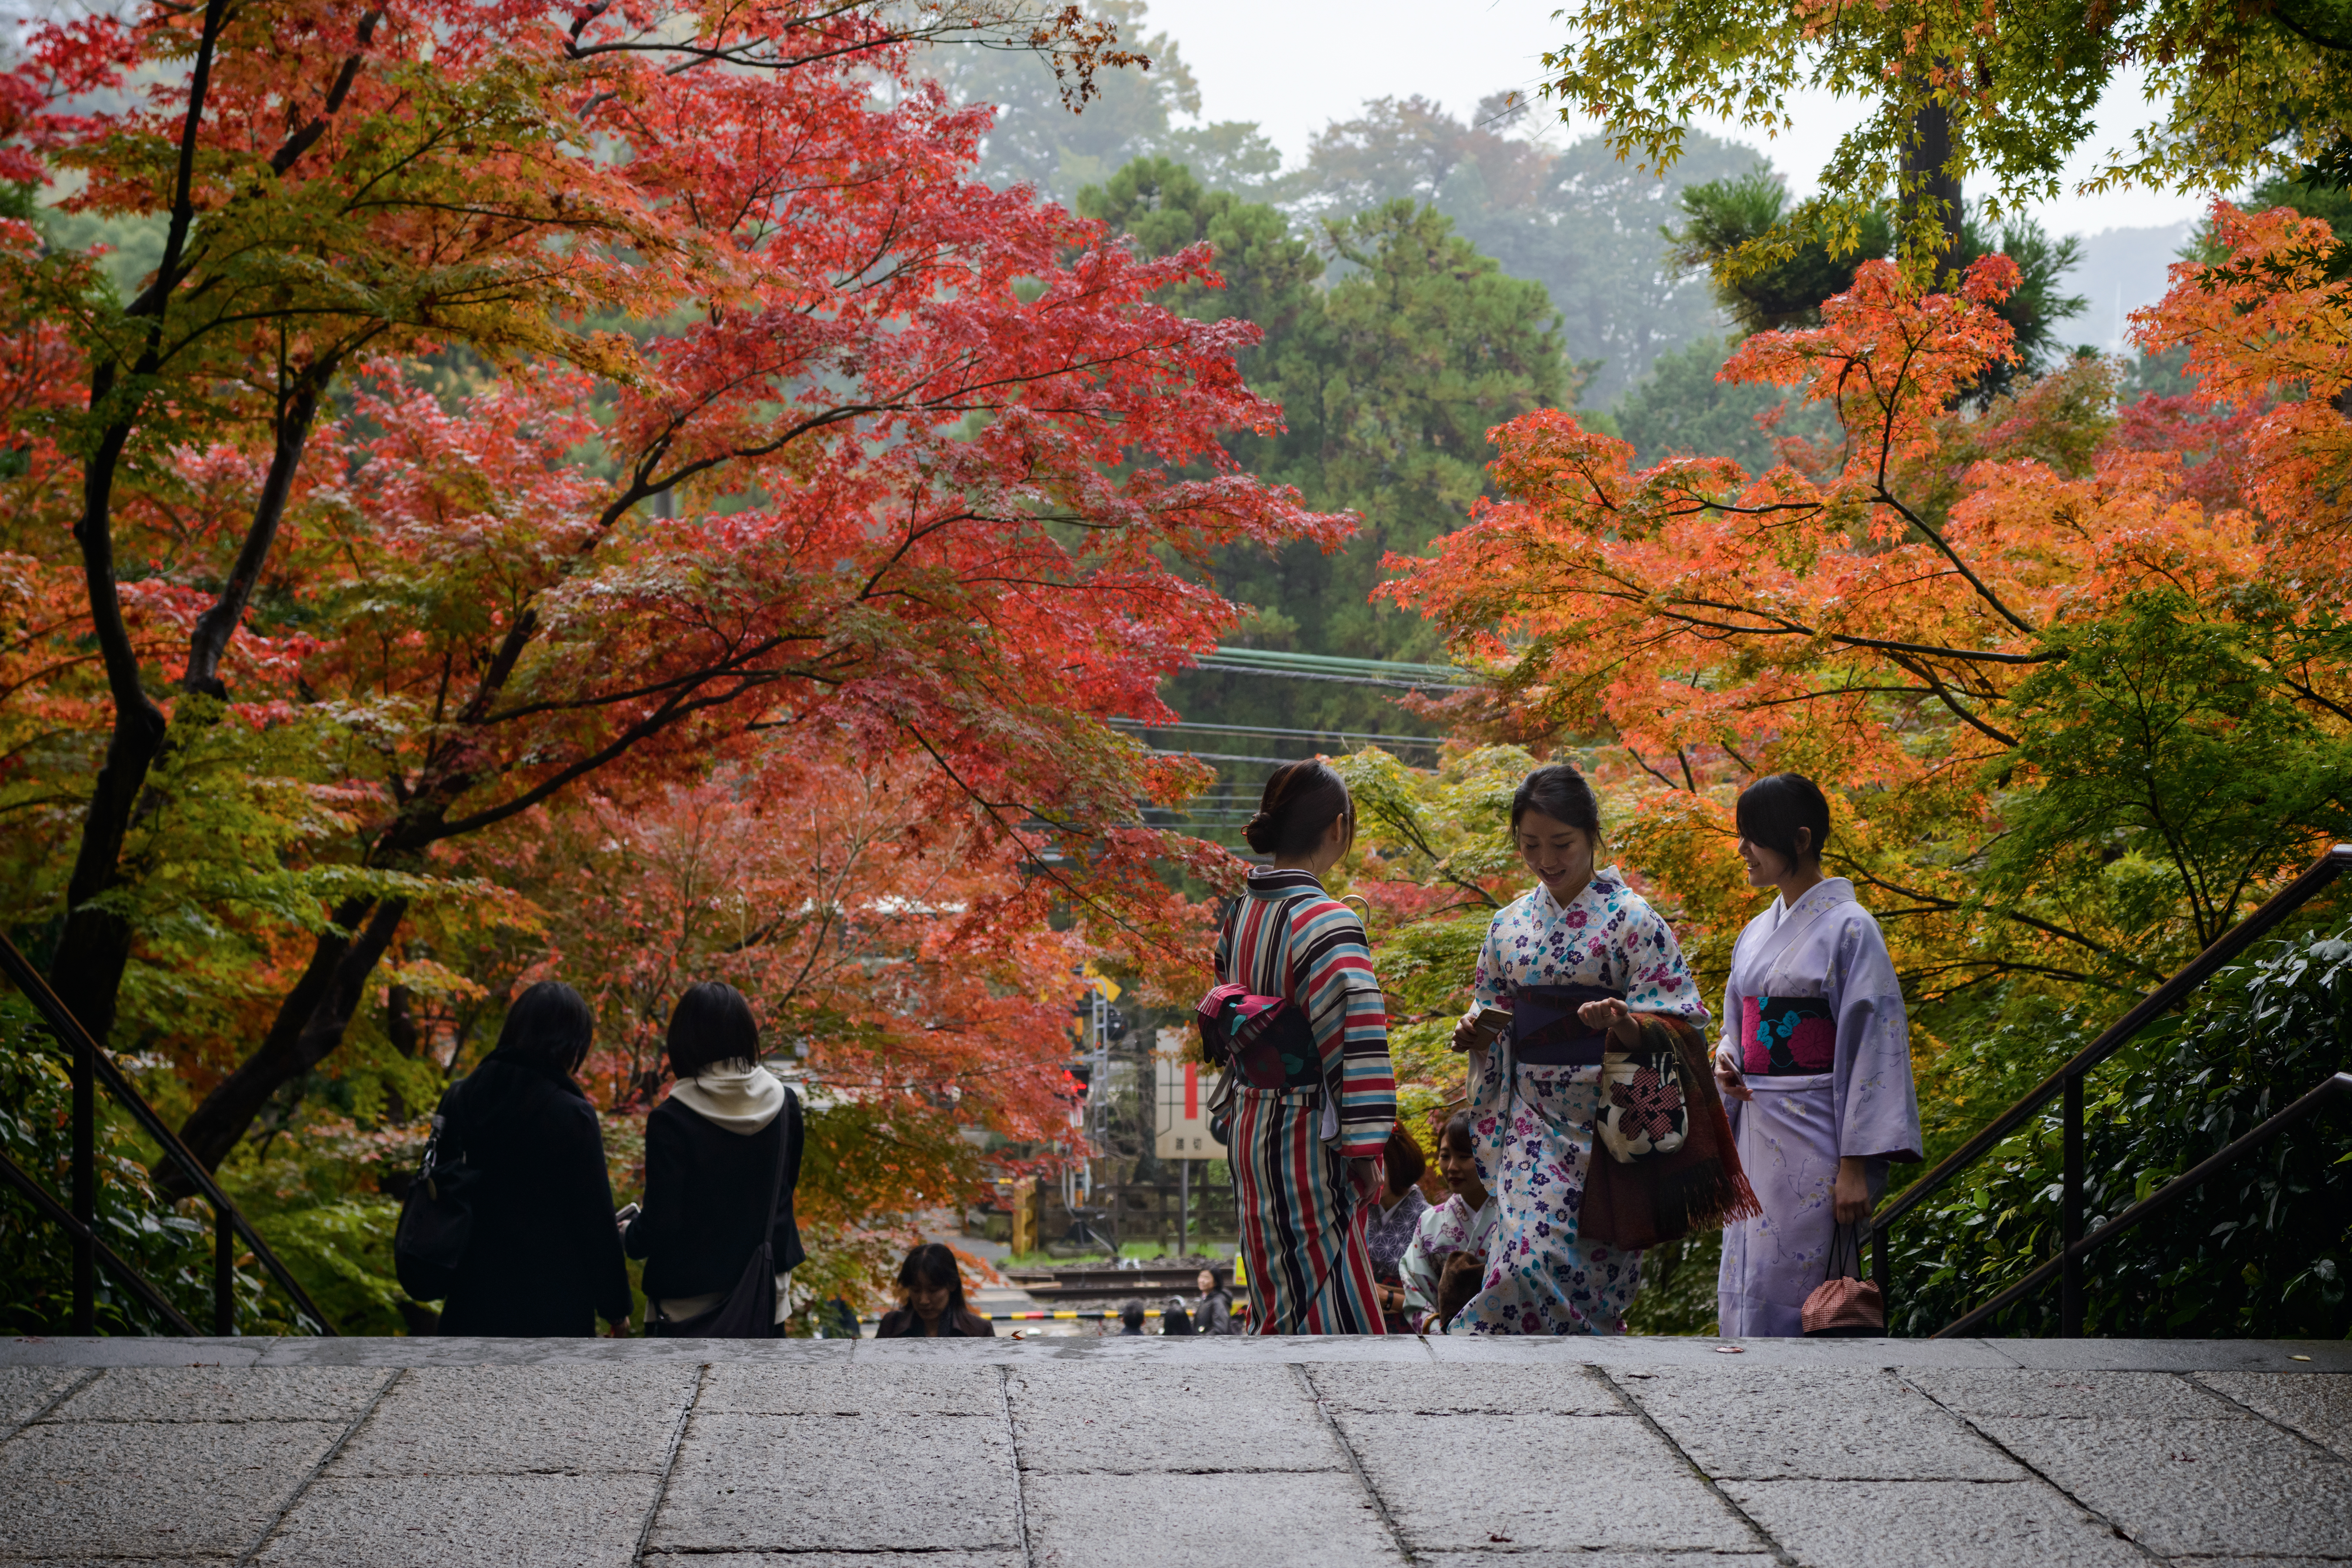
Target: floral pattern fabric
{"points": [[1449, 1227], [1533, 1136]]}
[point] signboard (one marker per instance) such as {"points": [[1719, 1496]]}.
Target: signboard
{"points": [[1181, 1103]]}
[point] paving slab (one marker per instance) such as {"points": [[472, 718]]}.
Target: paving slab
{"points": [[105, 1487], [1511, 1559], [1156, 1419], [984, 1559], [1861, 1425], [565, 1418], [26, 1391], [1545, 1482], [225, 1394], [2069, 1393], [936, 1388], [1317, 1521], [1555, 1388], [844, 1483], [404, 1351], [2179, 1487], [464, 1521], [130, 1350], [2318, 1407], [1191, 1349], [1645, 1350], [1931, 1525], [2181, 1356]]}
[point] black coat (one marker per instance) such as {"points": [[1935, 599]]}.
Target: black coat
{"points": [[707, 1192], [544, 1258], [902, 1325]]}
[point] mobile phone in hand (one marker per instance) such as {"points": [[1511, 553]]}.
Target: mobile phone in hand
{"points": [[1489, 1022], [625, 1213]]}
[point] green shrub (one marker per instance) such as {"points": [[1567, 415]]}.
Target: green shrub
{"points": [[2260, 1250]]}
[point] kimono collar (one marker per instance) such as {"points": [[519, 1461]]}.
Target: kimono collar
{"points": [[1264, 884], [1819, 896], [1608, 879]]}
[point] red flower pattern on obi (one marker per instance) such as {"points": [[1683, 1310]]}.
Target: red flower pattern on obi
{"points": [[1647, 1105]]}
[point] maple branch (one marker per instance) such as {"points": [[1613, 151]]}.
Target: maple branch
{"points": [[1934, 903], [294, 146], [1945, 696], [1984, 592]]}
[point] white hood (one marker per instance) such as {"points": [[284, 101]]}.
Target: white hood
{"points": [[738, 1096]]}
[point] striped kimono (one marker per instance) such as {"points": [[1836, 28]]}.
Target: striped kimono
{"points": [[1303, 1233]]}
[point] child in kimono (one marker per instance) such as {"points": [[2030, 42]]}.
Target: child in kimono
{"points": [[1464, 1222], [1814, 1063], [1588, 952]]}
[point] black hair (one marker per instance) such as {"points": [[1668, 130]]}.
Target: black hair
{"points": [[1301, 802], [1216, 1278], [1405, 1163], [932, 1264], [711, 1024], [1560, 793], [1771, 809], [1457, 1126], [550, 1024], [1132, 1315]]}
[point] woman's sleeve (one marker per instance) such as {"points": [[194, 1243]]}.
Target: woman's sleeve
{"points": [[1350, 1020], [1656, 978], [1881, 1104], [785, 1237], [600, 1239], [1489, 982], [1418, 1272], [657, 1214], [1732, 1015]]}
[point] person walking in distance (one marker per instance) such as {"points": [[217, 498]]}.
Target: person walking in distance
{"points": [[933, 1300], [722, 1155], [1814, 1063], [1307, 1126], [543, 1259], [1215, 1315], [1572, 960]]}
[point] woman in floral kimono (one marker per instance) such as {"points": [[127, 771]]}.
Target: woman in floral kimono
{"points": [[1815, 1062], [1583, 942]]}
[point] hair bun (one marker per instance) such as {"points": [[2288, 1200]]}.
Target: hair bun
{"points": [[1259, 832]]}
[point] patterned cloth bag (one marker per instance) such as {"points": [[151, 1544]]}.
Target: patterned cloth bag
{"points": [[1644, 1108]]}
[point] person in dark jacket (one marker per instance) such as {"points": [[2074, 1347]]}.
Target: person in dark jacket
{"points": [[543, 1259], [713, 1150], [935, 1307], [1173, 1319]]}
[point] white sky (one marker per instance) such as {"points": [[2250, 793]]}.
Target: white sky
{"points": [[1294, 66]]}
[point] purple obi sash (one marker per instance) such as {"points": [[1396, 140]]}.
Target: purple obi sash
{"points": [[1786, 1037], [1545, 1031]]}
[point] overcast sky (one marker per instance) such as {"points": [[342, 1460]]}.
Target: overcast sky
{"points": [[1293, 66]]}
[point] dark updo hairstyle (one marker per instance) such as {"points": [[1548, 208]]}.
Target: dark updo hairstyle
{"points": [[1560, 793], [712, 1024], [1301, 802], [1405, 1163], [551, 1025], [1771, 809]]}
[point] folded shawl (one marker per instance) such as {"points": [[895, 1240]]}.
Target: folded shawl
{"points": [[1664, 1197]]}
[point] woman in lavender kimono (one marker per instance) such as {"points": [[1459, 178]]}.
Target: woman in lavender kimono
{"points": [[1815, 1063], [1586, 946]]}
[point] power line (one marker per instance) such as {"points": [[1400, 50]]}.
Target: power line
{"points": [[1292, 734]]}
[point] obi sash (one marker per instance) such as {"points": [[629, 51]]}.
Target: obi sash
{"points": [[1545, 1031], [1783, 1037]]}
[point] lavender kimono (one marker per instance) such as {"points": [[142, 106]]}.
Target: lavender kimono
{"points": [[1532, 1134], [1814, 1017]]}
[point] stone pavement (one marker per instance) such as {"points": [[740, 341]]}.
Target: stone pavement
{"points": [[1138, 1453]]}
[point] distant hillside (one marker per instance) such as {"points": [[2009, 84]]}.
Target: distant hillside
{"points": [[2122, 270]]}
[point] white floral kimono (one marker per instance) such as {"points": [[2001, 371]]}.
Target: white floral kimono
{"points": [[1533, 1136], [1448, 1228], [1814, 1017]]}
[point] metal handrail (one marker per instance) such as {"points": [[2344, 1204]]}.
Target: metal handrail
{"points": [[2162, 1199], [2068, 1081], [55, 1213], [92, 1064]]}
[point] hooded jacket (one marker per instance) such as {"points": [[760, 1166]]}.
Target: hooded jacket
{"points": [[710, 1163]]}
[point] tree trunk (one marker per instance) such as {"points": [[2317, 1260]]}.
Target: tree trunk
{"points": [[1924, 180], [310, 1024]]}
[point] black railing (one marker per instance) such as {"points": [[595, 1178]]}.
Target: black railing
{"points": [[2067, 1082], [92, 1067]]}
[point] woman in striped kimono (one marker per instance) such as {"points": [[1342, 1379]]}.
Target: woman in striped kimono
{"points": [[1305, 1157]]}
